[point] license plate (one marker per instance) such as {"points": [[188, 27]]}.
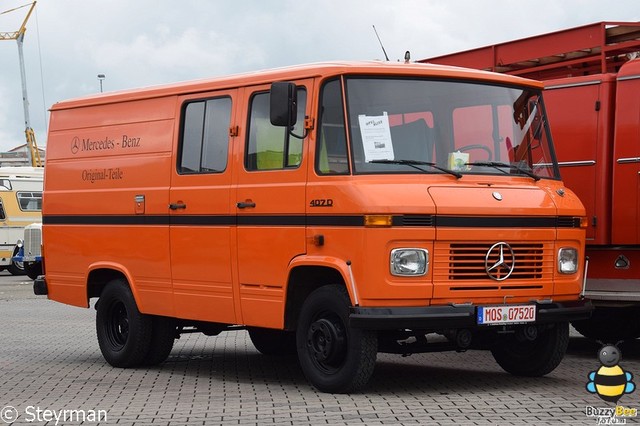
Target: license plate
{"points": [[490, 315]]}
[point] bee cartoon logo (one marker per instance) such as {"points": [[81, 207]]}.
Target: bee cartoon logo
{"points": [[610, 381]]}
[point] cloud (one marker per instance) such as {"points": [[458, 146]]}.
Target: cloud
{"points": [[160, 57], [7, 134], [145, 42]]}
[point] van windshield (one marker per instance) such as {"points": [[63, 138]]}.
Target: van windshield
{"points": [[447, 126]]}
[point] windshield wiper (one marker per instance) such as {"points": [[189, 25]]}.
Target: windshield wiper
{"points": [[415, 164], [498, 165]]}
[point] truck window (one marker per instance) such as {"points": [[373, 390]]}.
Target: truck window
{"points": [[30, 201], [267, 144], [205, 136], [485, 127], [331, 155], [467, 127]]}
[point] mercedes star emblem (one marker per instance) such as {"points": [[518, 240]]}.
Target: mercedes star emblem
{"points": [[499, 261]]}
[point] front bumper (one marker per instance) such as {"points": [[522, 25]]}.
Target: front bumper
{"points": [[455, 316]]}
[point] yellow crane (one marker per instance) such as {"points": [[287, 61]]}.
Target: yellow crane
{"points": [[32, 146]]}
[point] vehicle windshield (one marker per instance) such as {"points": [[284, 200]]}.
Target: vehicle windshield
{"points": [[459, 126]]}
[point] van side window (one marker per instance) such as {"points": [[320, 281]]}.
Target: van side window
{"points": [[267, 143], [205, 136], [3, 215], [331, 149], [30, 201]]}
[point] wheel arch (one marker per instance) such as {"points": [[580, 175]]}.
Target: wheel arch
{"points": [[307, 275], [102, 273]]}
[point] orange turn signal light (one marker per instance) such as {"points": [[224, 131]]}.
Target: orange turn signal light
{"points": [[378, 220]]}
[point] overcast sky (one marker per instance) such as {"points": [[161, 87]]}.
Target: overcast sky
{"points": [[138, 43]]}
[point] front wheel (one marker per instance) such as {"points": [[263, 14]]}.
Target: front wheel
{"points": [[532, 358], [124, 334], [16, 268], [334, 357]]}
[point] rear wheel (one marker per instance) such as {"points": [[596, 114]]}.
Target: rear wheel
{"points": [[163, 335], [124, 334], [273, 342], [532, 358], [334, 357]]}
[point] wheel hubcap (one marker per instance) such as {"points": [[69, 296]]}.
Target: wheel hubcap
{"points": [[326, 341], [118, 325]]}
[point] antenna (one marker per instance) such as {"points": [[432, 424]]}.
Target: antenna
{"points": [[380, 41]]}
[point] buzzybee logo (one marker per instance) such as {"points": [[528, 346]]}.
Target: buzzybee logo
{"points": [[610, 382]]}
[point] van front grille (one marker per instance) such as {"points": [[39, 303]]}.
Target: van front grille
{"points": [[466, 261]]}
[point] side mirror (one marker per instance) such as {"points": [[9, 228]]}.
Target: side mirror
{"points": [[283, 104]]}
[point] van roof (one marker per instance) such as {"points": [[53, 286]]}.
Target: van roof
{"points": [[321, 69]]}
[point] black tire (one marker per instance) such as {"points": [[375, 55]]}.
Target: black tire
{"points": [[124, 334], [163, 335], [334, 357], [611, 325], [16, 268], [273, 342], [532, 358], [33, 269]]}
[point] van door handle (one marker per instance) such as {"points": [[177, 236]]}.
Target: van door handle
{"points": [[244, 205], [176, 206]]}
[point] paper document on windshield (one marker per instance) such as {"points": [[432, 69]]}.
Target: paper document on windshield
{"points": [[376, 137]]}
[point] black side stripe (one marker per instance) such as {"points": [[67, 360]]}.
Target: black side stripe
{"points": [[105, 220], [320, 220]]}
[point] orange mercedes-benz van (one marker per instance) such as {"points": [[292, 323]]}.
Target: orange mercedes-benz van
{"points": [[334, 210]]}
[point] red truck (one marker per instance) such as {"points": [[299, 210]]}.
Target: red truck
{"points": [[592, 80]]}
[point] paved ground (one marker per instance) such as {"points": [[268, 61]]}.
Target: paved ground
{"points": [[49, 360]]}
